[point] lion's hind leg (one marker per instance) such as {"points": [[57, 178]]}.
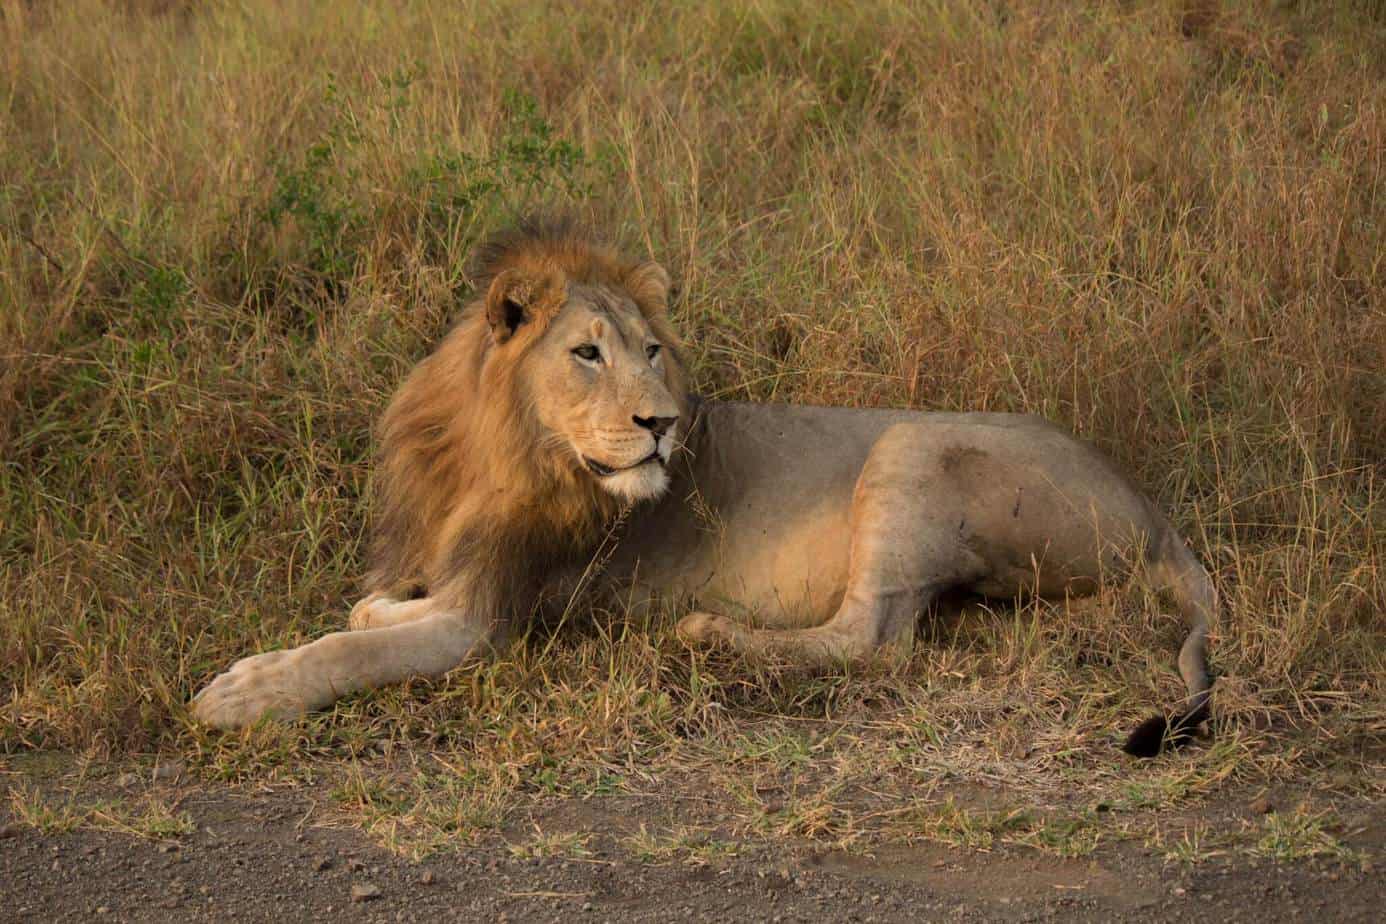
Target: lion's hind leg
{"points": [[834, 642], [905, 550]]}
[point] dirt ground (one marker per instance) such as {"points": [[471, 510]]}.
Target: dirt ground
{"points": [[275, 855]]}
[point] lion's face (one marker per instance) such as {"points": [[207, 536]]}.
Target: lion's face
{"points": [[597, 381], [598, 387]]}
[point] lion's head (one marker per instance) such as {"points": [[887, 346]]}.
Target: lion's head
{"points": [[558, 397]]}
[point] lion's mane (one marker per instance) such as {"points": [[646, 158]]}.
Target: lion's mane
{"points": [[469, 493]]}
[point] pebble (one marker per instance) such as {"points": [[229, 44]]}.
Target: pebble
{"points": [[8, 831], [1262, 806], [426, 877], [168, 772], [364, 892]]}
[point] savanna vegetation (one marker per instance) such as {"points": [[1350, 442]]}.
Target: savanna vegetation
{"points": [[227, 230]]}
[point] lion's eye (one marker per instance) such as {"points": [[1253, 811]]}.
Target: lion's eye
{"points": [[652, 351], [587, 352]]}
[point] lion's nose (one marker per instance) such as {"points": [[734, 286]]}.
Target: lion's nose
{"points": [[656, 425]]}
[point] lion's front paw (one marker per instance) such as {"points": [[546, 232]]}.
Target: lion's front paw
{"points": [[708, 628], [361, 615], [261, 685]]}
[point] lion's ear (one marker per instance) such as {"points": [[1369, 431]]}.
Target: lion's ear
{"points": [[517, 297], [648, 284]]}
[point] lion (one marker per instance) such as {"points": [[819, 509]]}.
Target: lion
{"points": [[555, 417]]}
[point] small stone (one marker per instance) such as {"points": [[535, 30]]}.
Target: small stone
{"points": [[8, 831], [355, 865], [1180, 891], [426, 877], [166, 773], [323, 864], [168, 847], [1261, 806], [102, 909], [364, 892]]}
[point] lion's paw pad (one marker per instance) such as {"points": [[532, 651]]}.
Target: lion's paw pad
{"points": [[254, 687], [706, 627]]}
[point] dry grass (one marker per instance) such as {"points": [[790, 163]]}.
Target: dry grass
{"points": [[149, 817], [227, 229]]}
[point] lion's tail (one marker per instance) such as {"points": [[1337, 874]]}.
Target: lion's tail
{"points": [[1174, 568]]}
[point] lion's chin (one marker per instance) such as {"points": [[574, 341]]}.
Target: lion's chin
{"points": [[644, 482]]}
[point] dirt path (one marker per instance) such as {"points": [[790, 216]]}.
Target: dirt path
{"points": [[268, 857]]}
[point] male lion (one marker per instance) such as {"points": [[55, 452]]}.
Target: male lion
{"points": [[558, 402]]}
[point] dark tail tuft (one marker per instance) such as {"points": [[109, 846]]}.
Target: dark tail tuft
{"points": [[1157, 733], [1148, 738]]}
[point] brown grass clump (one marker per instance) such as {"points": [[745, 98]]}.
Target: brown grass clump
{"points": [[227, 231]]}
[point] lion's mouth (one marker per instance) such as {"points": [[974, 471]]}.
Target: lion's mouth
{"points": [[602, 470]]}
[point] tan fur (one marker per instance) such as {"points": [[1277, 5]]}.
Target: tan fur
{"points": [[556, 403]]}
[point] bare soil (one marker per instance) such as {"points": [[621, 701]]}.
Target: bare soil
{"points": [[276, 856]]}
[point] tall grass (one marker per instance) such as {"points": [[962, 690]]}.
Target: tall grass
{"points": [[227, 229]]}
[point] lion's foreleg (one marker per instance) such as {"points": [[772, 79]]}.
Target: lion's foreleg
{"points": [[283, 684]]}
